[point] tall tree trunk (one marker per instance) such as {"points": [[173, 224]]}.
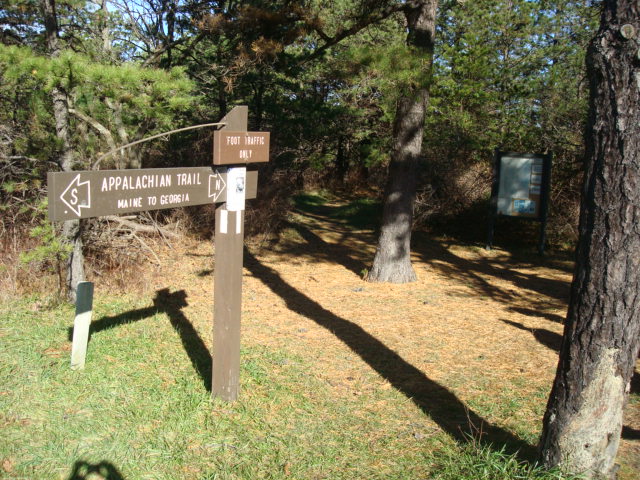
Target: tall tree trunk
{"points": [[169, 9], [342, 160], [132, 156], [392, 262], [582, 425], [105, 31], [71, 229]]}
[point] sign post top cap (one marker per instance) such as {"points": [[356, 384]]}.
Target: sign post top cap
{"points": [[237, 118]]}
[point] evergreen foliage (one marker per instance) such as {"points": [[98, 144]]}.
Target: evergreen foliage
{"points": [[151, 99], [323, 77], [509, 74]]}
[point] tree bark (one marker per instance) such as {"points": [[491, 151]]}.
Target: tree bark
{"points": [[583, 422], [105, 31], [71, 229], [392, 262]]}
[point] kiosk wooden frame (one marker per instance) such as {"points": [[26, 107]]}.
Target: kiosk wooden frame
{"points": [[520, 189]]}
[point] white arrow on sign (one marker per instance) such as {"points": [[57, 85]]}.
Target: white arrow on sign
{"points": [[217, 186], [75, 196]]}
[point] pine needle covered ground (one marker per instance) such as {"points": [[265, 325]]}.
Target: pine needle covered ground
{"points": [[340, 378]]}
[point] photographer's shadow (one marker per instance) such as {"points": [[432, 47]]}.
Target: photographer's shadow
{"points": [[83, 470]]}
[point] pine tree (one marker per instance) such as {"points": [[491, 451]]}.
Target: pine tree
{"points": [[392, 262], [582, 425]]}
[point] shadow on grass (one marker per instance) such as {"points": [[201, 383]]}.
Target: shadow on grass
{"points": [[358, 213], [171, 304], [325, 251], [549, 339], [474, 272], [439, 403], [635, 382], [433, 252], [552, 317], [629, 433], [83, 470]]}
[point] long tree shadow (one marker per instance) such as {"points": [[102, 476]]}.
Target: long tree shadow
{"points": [[324, 251], [531, 312], [474, 272], [171, 304], [439, 403], [404, 376], [549, 339]]}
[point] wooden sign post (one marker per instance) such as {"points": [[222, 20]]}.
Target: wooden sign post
{"points": [[74, 195], [233, 146], [227, 282]]}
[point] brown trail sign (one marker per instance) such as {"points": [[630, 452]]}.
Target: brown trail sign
{"points": [[111, 192], [240, 147], [85, 194]]}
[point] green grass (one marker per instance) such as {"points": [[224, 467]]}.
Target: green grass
{"points": [[478, 462], [141, 411]]}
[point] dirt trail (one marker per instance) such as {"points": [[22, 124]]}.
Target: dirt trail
{"points": [[478, 332]]}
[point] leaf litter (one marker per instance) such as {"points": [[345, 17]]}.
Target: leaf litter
{"points": [[483, 325]]}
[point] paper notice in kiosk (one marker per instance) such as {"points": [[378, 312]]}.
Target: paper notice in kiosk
{"points": [[519, 192]]}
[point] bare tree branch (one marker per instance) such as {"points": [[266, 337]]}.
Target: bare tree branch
{"points": [[93, 123], [359, 25], [137, 227]]}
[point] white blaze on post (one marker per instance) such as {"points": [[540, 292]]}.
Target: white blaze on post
{"points": [[224, 221]]}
